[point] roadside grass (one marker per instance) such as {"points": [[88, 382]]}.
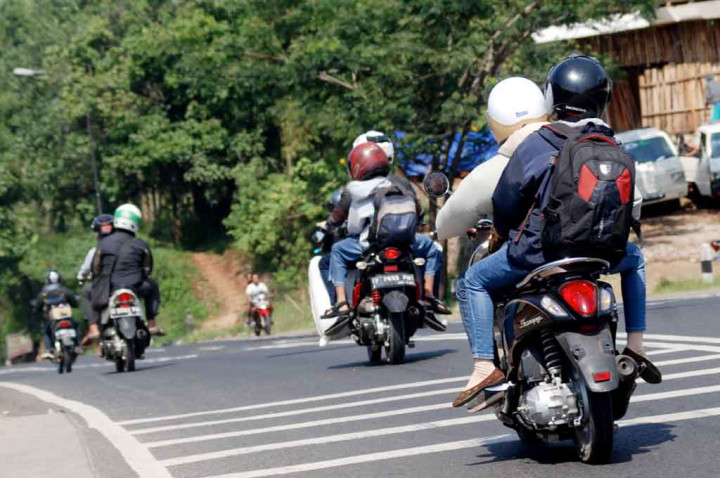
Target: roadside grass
{"points": [[666, 286]]}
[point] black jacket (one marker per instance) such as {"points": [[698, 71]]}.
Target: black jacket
{"points": [[123, 259], [53, 289]]}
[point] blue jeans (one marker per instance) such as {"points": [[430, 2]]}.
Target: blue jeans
{"points": [[348, 251], [324, 266], [476, 286]]}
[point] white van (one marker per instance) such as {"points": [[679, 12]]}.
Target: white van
{"points": [[703, 173], [658, 170]]}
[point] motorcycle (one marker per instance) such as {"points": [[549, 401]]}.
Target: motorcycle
{"points": [[262, 314], [64, 330], [385, 305], [123, 333], [555, 340]]}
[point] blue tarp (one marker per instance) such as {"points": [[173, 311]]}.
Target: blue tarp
{"points": [[478, 148]]}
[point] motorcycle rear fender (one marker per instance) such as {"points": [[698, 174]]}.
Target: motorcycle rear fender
{"points": [[591, 354], [127, 327], [396, 302]]}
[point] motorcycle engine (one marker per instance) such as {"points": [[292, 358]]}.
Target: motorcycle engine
{"points": [[549, 405]]}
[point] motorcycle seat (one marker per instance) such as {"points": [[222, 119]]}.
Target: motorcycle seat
{"points": [[570, 265]]}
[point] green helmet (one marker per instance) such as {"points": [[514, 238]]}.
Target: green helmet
{"points": [[127, 217]]}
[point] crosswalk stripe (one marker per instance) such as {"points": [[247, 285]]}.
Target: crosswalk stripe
{"points": [[193, 458], [291, 413], [701, 358], [298, 401], [442, 447], [407, 411], [678, 338]]}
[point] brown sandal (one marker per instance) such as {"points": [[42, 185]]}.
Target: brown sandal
{"points": [[496, 377]]}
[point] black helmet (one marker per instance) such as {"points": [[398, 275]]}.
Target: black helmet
{"points": [[102, 224], [52, 276], [578, 87]]}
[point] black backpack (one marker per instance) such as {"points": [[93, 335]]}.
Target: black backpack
{"points": [[592, 186], [395, 219]]}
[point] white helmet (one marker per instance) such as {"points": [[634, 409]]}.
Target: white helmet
{"points": [[513, 103], [380, 139], [127, 217]]}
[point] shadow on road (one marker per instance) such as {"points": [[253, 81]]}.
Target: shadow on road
{"points": [[410, 358], [629, 441], [141, 368]]}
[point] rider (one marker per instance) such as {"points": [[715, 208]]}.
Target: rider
{"points": [[125, 261], [53, 286], [423, 246], [100, 226], [253, 291], [577, 93]]}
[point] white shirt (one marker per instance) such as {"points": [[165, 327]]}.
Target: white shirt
{"points": [[85, 272], [254, 290]]}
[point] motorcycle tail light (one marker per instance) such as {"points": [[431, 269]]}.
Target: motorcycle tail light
{"points": [[390, 268], [581, 296], [601, 376], [391, 253], [124, 300], [606, 300], [64, 324]]}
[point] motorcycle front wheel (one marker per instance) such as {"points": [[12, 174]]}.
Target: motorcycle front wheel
{"points": [[395, 348], [268, 324], [374, 353], [594, 439]]}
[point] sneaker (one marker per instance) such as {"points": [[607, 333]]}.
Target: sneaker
{"points": [[47, 356]]}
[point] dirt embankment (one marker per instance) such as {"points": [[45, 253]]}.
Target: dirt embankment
{"points": [[673, 241], [226, 276]]}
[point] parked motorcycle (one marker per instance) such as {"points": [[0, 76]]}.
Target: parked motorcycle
{"points": [[262, 314], [124, 335], [64, 330], [555, 340]]}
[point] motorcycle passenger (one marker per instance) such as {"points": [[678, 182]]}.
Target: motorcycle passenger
{"points": [[53, 286], [254, 290], [123, 260], [577, 93], [336, 233], [352, 250], [100, 226]]}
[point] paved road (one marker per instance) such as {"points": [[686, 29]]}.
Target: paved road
{"points": [[284, 406]]}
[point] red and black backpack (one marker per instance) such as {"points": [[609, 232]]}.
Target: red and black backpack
{"points": [[589, 212]]}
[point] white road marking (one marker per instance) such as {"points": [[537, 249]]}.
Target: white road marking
{"points": [[212, 348], [298, 426], [290, 413], [441, 406], [669, 350], [104, 364], [298, 401], [701, 358], [442, 447], [137, 456], [192, 458], [678, 338]]}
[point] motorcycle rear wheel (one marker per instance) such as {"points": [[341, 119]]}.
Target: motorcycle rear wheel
{"points": [[395, 350], [268, 324], [67, 359], [129, 363], [594, 441], [61, 361], [374, 353]]}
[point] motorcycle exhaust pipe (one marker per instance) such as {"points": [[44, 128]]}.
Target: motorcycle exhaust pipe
{"points": [[627, 368]]}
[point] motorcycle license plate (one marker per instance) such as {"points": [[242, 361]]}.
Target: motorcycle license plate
{"points": [[65, 333], [61, 312], [386, 281], [124, 311]]}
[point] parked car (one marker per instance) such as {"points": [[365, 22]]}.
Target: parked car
{"points": [[703, 172], [659, 172]]}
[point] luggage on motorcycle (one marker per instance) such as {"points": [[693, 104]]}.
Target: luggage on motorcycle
{"points": [[395, 219], [592, 185]]}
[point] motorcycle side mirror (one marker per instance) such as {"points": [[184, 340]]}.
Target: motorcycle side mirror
{"points": [[436, 184]]}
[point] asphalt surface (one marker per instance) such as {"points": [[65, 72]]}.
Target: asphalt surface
{"points": [[273, 407]]}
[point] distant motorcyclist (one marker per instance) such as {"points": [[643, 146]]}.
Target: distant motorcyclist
{"points": [[53, 287], [254, 291], [123, 260], [101, 226]]}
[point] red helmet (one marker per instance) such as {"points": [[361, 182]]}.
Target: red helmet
{"points": [[366, 161]]}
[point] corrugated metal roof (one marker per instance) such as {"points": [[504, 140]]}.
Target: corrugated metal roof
{"points": [[707, 10]]}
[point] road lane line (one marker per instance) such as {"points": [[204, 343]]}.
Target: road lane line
{"points": [[192, 458], [678, 338], [701, 358], [407, 411], [301, 425], [297, 401], [184, 460], [443, 447], [668, 350], [137, 456], [81, 366], [292, 413]]}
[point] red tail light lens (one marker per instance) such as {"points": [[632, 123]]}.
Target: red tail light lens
{"points": [[601, 376], [64, 324], [390, 268], [124, 300], [581, 295], [391, 253]]}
